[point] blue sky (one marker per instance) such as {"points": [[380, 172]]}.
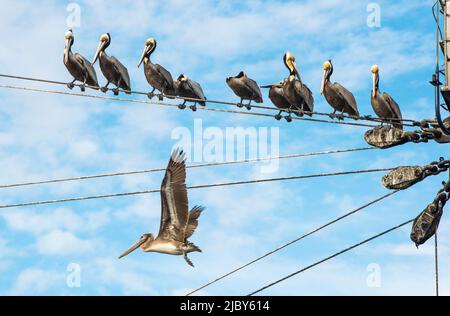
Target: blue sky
{"points": [[49, 136]]}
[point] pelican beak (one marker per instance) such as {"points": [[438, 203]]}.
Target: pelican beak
{"points": [[133, 248], [294, 65], [322, 87], [374, 79], [143, 56], [267, 87], [99, 49], [66, 51]]}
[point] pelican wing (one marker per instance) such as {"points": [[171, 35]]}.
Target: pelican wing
{"points": [[89, 68], [174, 199], [123, 71], [165, 74], [196, 88], [194, 215], [348, 96], [307, 96], [394, 106], [253, 86]]}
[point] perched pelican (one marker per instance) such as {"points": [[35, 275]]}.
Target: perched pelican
{"points": [[78, 66], [245, 88], [296, 92], [111, 67], [336, 95], [157, 76], [276, 95], [177, 223], [383, 104], [188, 88]]}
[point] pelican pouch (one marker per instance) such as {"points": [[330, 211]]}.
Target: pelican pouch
{"points": [[403, 177], [427, 223], [386, 137]]}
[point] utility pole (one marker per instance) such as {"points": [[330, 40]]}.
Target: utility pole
{"points": [[442, 44]]}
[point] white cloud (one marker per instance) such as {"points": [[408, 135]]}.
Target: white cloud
{"points": [[36, 281], [62, 243]]}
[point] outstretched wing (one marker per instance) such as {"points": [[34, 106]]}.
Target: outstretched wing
{"points": [[253, 86], [194, 215], [123, 71], [89, 68], [349, 98], [174, 199]]}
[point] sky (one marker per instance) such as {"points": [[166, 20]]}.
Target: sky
{"points": [[72, 249]]}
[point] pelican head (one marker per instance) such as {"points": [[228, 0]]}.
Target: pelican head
{"points": [[143, 242], [375, 79], [149, 48], [289, 61], [69, 42], [105, 40], [242, 74], [327, 72], [182, 78]]}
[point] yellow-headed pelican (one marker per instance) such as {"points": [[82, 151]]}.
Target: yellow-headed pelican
{"points": [[245, 88], [188, 88], [336, 95], [157, 76], [78, 66], [177, 223], [113, 70], [296, 92], [383, 105], [276, 95]]}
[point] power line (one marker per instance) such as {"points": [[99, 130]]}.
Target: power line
{"points": [[224, 184], [264, 107], [175, 105], [331, 257], [125, 173], [294, 241]]}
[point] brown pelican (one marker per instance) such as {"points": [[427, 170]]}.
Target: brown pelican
{"points": [[245, 88], [111, 67], [157, 76], [296, 92], [78, 66], [336, 95], [188, 88], [177, 223], [276, 95], [383, 104]]}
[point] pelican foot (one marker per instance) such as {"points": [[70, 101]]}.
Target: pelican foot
{"points": [[367, 117], [193, 108], [248, 107], [160, 97], [332, 116], [240, 105], [82, 88], [150, 95], [104, 89], [115, 91], [340, 117], [70, 85], [288, 119], [182, 106], [278, 117]]}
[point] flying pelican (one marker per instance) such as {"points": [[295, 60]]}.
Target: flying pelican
{"points": [[245, 88], [113, 70], [296, 92], [336, 95], [383, 105], [157, 76], [188, 88], [78, 66], [177, 224], [276, 95]]}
